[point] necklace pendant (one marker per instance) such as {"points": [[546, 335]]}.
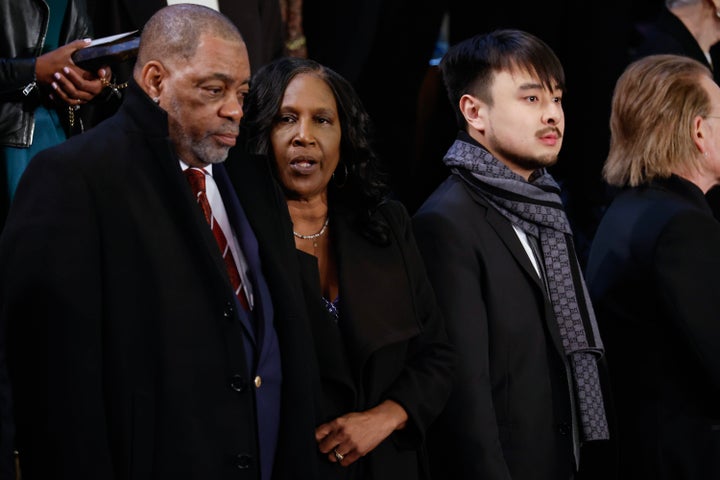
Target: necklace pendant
{"points": [[314, 243]]}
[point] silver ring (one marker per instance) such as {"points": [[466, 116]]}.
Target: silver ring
{"points": [[339, 456]]}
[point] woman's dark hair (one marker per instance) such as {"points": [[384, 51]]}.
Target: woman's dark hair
{"points": [[364, 186]]}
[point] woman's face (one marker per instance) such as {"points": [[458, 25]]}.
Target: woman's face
{"points": [[306, 137]]}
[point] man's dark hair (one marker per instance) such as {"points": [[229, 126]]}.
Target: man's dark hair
{"points": [[468, 67]]}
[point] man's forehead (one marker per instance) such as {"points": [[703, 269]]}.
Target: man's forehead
{"points": [[527, 76]]}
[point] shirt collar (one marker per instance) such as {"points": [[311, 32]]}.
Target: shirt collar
{"points": [[207, 168]]}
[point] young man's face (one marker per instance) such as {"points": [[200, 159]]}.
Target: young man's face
{"points": [[525, 124]]}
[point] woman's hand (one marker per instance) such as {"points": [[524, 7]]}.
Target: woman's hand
{"points": [[70, 83], [356, 434]]}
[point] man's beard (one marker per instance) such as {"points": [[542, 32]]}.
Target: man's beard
{"points": [[528, 163], [208, 153], [205, 149], [523, 161]]}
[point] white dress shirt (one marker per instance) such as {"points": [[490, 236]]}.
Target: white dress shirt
{"points": [[220, 214], [526, 245]]}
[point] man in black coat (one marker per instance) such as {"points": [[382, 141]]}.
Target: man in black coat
{"points": [[684, 27], [653, 270], [499, 253], [130, 350]]}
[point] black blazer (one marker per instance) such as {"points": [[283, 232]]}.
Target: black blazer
{"points": [[509, 415], [653, 277], [128, 354], [389, 343]]}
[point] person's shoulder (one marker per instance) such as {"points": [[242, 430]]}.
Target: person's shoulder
{"points": [[391, 206], [453, 211], [394, 213], [452, 198], [72, 151], [94, 146], [658, 209]]}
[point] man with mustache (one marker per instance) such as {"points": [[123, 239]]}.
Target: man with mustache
{"points": [[499, 253], [135, 283]]}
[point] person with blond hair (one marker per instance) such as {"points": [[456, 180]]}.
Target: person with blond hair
{"points": [[690, 28], [653, 267]]}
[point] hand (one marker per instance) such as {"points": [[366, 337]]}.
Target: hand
{"points": [[76, 86], [70, 83], [356, 434]]}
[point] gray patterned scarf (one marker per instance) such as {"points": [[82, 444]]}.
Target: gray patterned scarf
{"points": [[536, 208]]}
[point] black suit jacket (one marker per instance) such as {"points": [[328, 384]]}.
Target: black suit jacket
{"points": [[509, 415], [653, 277], [389, 343], [127, 351]]}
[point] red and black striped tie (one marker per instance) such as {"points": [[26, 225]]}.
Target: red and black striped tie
{"points": [[196, 178]]}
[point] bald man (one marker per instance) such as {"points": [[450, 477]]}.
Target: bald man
{"points": [[140, 331]]}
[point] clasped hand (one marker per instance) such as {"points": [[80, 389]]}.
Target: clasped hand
{"points": [[70, 83]]}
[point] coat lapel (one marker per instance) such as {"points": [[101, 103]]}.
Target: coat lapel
{"points": [[507, 234], [509, 237], [330, 347], [249, 246], [369, 320], [164, 175], [189, 215]]}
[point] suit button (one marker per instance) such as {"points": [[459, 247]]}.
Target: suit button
{"points": [[243, 461], [563, 428], [229, 311], [238, 383], [258, 381]]}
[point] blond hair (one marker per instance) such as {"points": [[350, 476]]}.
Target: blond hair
{"points": [[655, 103]]}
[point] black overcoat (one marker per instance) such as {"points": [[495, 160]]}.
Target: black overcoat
{"points": [[128, 356]]}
